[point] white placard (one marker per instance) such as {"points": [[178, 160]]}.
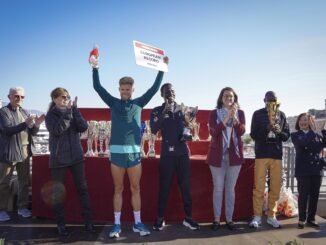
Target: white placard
{"points": [[149, 56]]}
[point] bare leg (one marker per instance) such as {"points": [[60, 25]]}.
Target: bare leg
{"points": [[117, 176], [134, 175]]}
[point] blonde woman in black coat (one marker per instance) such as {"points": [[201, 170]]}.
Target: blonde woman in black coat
{"points": [[64, 123]]}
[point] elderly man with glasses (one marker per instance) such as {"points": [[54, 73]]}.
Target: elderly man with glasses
{"points": [[16, 130]]}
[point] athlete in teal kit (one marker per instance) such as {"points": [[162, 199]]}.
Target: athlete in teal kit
{"points": [[125, 143]]}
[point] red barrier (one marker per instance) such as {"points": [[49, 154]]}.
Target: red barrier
{"points": [[100, 188]]}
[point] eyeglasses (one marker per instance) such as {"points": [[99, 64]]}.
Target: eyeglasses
{"points": [[19, 96], [65, 97]]}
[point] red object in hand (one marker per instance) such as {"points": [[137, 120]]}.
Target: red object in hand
{"points": [[94, 52]]}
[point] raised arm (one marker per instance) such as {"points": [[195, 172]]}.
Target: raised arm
{"points": [[145, 98], [105, 95]]}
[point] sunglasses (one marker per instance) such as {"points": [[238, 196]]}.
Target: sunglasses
{"points": [[19, 96], [65, 97]]}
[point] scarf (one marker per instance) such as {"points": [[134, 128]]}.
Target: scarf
{"points": [[221, 115]]}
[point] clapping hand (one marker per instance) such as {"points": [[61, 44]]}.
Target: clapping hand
{"points": [[312, 123], [29, 121], [74, 104], [39, 120]]}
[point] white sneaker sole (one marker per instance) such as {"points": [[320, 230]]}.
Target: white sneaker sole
{"points": [[159, 229], [272, 225], [186, 224], [115, 235], [141, 233], [25, 216], [255, 225], [4, 220]]}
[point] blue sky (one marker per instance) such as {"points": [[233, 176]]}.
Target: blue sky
{"points": [[252, 46]]}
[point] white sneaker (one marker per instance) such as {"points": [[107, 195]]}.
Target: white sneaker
{"points": [[273, 222], [4, 216], [256, 222], [24, 212]]}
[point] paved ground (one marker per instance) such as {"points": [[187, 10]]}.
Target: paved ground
{"points": [[42, 231]]}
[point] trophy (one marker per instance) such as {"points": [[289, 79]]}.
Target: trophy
{"points": [[101, 136], [107, 138], [151, 141], [95, 137], [272, 111], [209, 138], [196, 126], [189, 114], [90, 138], [143, 138]]}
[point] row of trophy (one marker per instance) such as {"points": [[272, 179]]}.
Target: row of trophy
{"points": [[190, 131], [100, 132]]}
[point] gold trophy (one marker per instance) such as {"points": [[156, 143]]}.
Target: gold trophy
{"points": [[272, 110]]}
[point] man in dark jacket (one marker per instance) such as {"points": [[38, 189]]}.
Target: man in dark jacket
{"points": [[174, 155], [16, 143], [268, 129]]}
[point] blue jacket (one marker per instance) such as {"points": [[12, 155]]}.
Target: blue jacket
{"points": [[308, 147], [64, 142], [259, 132], [10, 141]]}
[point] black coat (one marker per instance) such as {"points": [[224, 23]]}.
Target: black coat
{"points": [[10, 141], [259, 133], [64, 127], [308, 147], [171, 130]]}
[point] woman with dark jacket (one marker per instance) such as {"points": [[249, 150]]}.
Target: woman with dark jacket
{"points": [[308, 167], [64, 123], [225, 153]]}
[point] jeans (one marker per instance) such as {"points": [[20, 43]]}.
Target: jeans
{"points": [[224, 177]]}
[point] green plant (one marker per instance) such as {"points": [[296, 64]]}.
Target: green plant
{"points": [[247, 139], [2, 241]]}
